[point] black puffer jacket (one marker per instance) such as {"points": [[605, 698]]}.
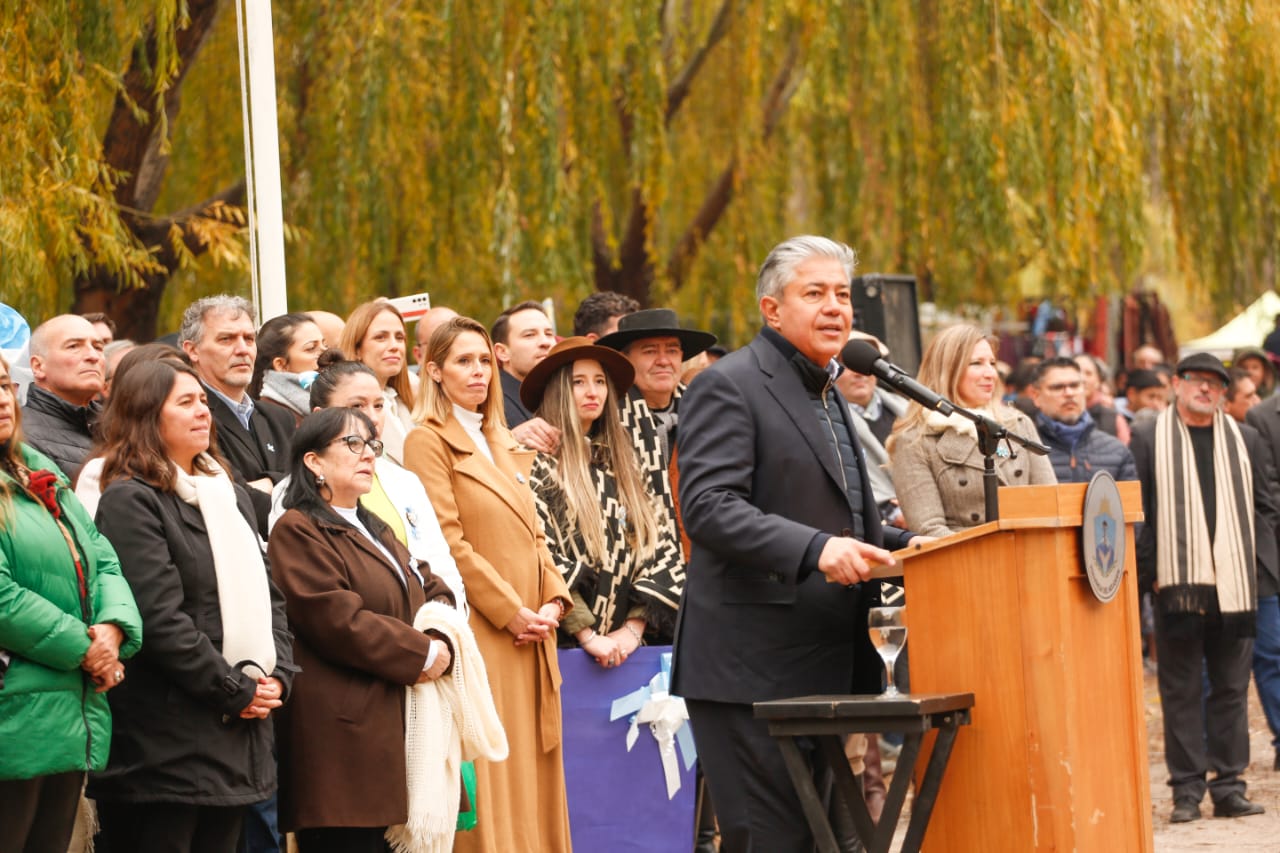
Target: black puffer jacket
{"points": [[58, 429], [1094, 451]]}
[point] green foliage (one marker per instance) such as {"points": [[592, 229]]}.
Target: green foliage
{"points": [[472, 149]]}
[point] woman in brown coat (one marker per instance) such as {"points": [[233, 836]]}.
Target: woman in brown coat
{"points": [[934, 459], [478, 480], [351, 591]]}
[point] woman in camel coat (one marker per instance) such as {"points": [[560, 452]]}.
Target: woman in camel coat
{"points": [[478, 480]]}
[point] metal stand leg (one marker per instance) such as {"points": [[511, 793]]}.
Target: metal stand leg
{"points": [[922, 808], [802, 778]]}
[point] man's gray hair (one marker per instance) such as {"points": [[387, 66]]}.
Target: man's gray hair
{"points": [[780, 267], [193, 318]]}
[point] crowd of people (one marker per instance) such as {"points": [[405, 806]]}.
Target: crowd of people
{"points": [[281, 578]]}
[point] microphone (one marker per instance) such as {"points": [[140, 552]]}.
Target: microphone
{"points": [[862, 357]]}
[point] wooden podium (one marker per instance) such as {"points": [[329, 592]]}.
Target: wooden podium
{"points": [[1056, 755]]}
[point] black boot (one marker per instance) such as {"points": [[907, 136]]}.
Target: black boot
{"points": [[704, 840]]}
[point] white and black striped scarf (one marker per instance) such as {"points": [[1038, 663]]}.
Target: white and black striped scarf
{"points": [[1191, 571]]}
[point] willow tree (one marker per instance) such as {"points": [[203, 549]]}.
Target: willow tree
{"points": [[492, 151]]}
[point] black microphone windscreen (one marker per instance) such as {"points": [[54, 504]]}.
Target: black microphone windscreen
{"points": [[858, 356]]}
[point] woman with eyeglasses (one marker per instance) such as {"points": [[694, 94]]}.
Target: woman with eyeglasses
{"points": [[478, 479], [396, 496], [352, 591], [375, 334], [934, 458]]}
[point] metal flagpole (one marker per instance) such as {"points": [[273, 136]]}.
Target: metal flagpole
{"points": [[262, 157]]}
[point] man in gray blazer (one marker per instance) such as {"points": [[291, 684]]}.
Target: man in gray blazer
{"points": [[776, 499]]}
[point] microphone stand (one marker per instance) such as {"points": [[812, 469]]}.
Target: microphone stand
{"points": [[990, 434]]}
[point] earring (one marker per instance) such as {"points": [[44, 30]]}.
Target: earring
{"points": [[320, 480]]}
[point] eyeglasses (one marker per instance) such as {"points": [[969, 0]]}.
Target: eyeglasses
{"points": [[1059, 387], [357, 443], [1212, 380]]}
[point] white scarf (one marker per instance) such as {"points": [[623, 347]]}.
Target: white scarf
{"points": [[244, 597], [446, 721]]}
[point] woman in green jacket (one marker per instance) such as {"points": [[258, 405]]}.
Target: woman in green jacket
{"points": [[67, 619]]}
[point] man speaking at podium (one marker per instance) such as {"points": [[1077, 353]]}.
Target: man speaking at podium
{"points": [[776, 500]]}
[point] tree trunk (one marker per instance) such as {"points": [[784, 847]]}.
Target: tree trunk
{"points": [[134, 145]]}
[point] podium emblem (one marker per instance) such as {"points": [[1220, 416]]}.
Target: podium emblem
{"points": [[1102, 537]]}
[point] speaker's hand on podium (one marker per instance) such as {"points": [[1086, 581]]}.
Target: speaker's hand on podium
{"points": [[845, 560]]}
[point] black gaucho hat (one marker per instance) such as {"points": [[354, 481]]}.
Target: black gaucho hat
{"points": [[657, 323]]}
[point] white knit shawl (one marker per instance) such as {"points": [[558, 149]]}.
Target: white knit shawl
{"points": [[446, 721]]}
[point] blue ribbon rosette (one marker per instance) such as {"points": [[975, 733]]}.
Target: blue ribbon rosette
{"points": [[668, 722]]}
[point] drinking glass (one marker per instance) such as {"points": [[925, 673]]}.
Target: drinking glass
{"points": [[888, 629]]}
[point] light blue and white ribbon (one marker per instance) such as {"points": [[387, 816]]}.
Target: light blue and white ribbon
{"points": [[668, 721]]}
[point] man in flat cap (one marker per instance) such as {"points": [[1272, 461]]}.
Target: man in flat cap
{"points": [[1209, 534]]}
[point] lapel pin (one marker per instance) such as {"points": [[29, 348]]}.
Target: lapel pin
{"points": [[520, 479], [271, 447]]}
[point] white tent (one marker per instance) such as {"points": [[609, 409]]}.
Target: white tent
{"points": [[1246, 329]]}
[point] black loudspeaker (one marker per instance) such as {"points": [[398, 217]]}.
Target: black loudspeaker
{"points": [[885, 306]]}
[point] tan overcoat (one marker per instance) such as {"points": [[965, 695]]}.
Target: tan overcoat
{"points": [[937, 471], [487, 514]]}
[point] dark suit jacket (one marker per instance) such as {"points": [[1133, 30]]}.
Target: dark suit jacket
{"points": [[1265, 418], [758, 483], [511, 406], [264, 452], [1143, 447]]}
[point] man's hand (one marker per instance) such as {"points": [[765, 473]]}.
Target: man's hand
{"points": [[845, 560], [537, 434]]}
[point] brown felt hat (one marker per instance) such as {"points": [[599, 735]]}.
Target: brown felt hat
{"points": [[568, 351]]}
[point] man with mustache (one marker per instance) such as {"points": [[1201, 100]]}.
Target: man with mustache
{"points": [[218, 335], [1077, 447]]}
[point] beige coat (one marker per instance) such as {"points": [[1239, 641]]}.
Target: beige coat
{"points": [[937, 471], [487, 514]]}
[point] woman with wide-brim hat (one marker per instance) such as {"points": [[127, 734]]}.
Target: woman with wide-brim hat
{"points": [[602, 520]]}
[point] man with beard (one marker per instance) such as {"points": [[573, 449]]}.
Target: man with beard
{"points": [[1077, 447]]}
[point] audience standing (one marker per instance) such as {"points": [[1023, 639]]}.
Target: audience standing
{"points": [[352, 591], [602, 520], [936, 464], [62, 407], [1208, 538], [375, 335], [219, 337], [192, 745], [478, 479], [288, 348], [522, 337], [599, 313], [1077, 447], [67, 619]]}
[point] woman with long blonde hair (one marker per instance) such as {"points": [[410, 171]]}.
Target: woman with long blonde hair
{"points": [[600, 515], [478, 480], [375, 334], [934, 459]]}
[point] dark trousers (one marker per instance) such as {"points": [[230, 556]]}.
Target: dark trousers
{"points": [[169, 827], [38, 815], [756, 803], [261, 833], [1266, 662], [1203, 735], [342, 839]]}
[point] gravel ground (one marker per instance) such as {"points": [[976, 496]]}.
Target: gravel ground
{"points": [[1238, 835]]}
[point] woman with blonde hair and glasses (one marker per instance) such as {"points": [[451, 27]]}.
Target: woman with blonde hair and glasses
{"points": [[602, 520], [934, 459], [478, 480], [375, 334]]}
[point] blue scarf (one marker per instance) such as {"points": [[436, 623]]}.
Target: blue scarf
{"points": [[1068, 434]]}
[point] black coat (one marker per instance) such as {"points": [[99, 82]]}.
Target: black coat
{"points": [[758, 483], [264, 452], [178, 736], [1143, 445], [511, 406], [1095, 451], [1265, 418], [58, 429]]}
